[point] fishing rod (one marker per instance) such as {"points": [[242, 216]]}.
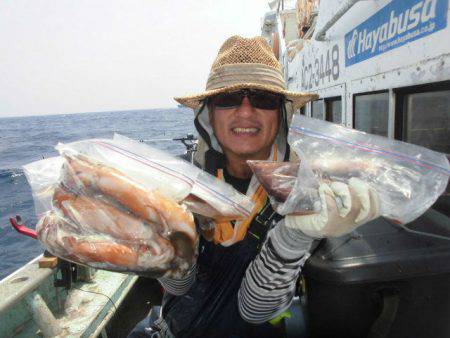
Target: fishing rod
{"points": [[189, 141], [156, 140]]}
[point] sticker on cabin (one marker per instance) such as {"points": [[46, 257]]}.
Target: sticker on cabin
{"points": [[399, 22]]}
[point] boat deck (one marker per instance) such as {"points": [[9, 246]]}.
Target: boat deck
{"points": [[83, 311]]}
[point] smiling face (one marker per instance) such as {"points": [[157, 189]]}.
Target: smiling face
{"points": [[245, 131]]}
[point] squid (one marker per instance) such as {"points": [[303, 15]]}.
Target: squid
{"points": [[103, 217], [150, 205], [278, 178], [99, 250]]}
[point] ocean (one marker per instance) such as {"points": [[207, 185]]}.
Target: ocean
{"points": [[27, 139]]}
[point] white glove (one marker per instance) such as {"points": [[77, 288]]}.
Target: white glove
{"points": [[344, 208]]}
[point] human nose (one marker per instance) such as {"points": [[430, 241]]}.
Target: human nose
{"points": [[246, 108]]}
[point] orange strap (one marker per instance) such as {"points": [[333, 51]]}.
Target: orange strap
{"points": [[224, 230]]}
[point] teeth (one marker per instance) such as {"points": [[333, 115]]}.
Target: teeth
{"points": [[245, 130]]}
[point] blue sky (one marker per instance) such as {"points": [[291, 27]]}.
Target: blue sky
{"points": [[70, 56]]}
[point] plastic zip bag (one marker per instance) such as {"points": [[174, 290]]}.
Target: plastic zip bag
{"points": [[408, 178], [95, 215], [118, 205], [173, 177]]}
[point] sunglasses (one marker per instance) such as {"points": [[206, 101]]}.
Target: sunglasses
{"points": [[258, 98]]}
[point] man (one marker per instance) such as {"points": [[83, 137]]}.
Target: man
{"points": [[240, 284]]}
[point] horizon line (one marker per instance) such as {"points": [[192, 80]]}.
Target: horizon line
{"points": [[91, 112]]}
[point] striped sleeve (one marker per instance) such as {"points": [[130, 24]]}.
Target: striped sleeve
{"points": [[178, 287], [269, 284]]}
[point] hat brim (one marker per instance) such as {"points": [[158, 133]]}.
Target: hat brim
{"points": [[298, 99]]}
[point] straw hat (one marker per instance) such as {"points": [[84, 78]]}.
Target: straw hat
{"points": [[246, 63]]}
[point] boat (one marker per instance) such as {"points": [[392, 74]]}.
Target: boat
{"points": [[382, 67], [377, 66], [67, 300]]}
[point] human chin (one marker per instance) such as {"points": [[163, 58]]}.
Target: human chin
{"points": [[248, 147]]}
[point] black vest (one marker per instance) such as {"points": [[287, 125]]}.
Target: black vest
{"points": [[210, 307]]}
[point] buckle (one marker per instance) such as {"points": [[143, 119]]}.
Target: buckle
{"points": [[262, 219]]}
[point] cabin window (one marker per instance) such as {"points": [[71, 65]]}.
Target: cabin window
{"points": [[318, 109], [427, 120], [423, 118], [371, 112], [334, 109]]}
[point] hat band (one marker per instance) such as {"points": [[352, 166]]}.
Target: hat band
{"points": [[228, 75]]}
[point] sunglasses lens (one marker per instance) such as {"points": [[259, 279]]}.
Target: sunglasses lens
{"points": [[227, 100], [259, 99], [265, 100]]}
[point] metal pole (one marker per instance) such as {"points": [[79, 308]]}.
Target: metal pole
{"points": [[320, 36], [42, 315]]}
